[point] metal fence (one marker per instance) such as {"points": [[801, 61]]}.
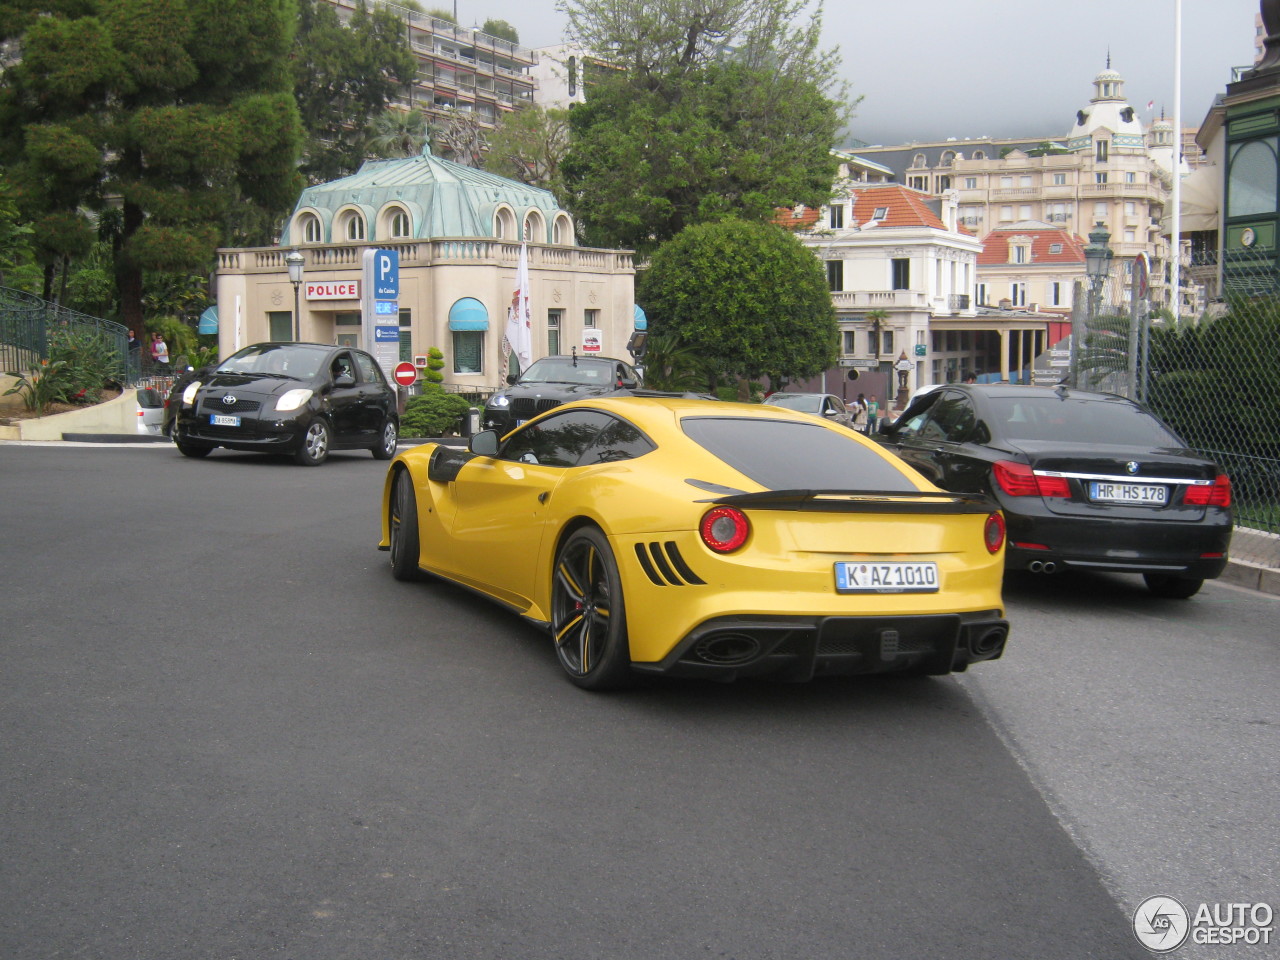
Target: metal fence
{"points": [[1215, 379], [28, 325]]}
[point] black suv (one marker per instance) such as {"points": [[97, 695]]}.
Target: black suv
{"points": [[552, 381]]}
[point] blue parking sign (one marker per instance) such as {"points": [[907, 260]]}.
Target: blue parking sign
{"points": [[386, 275]]}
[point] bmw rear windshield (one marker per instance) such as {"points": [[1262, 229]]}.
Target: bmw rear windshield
{"points": [[786, 455], [1080, 420]]}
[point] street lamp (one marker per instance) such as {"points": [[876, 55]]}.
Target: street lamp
{"points": [[1097, 264], [295, 262]]}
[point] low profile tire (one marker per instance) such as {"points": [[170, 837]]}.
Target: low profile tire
{"points": [[1172, 588], [402, 522], [315, 444], [196, 450], [389, 439], [588, 618]]}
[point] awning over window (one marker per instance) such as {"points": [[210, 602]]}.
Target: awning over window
{"points": [[468, 314], [209, 320], [642, 322]]}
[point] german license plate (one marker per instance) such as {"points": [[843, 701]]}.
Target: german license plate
{"points": [[896, 577], [222, 420], [1140, 494]]}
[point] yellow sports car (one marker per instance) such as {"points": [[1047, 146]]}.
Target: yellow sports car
{"points": [[689, 537]]}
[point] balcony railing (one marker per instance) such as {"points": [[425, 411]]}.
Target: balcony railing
{"points": [[442, 251]]}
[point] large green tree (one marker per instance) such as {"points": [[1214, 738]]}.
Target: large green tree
{"points": [[643, 163], [529, 145], [718, 106], [749, 298], [346, 75], [171, 110]]}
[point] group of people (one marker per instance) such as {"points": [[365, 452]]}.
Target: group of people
{"points": [[159, 352], [866, 413]]}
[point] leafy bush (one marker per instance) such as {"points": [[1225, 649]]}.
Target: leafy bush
{"points": [[89, 361], [432, 414], [44, 385], [432, 377]]}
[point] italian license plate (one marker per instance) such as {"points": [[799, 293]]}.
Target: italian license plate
{"points": [[1140, 494], [897, 577], [222, 420]]}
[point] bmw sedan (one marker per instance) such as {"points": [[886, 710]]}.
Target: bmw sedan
{"points": [[689, 537], [552, 381], [1087, 481], [304, 399]]}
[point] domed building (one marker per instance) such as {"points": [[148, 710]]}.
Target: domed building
{"points": [[456, 234]]}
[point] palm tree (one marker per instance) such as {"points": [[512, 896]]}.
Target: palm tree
{"points": [[398, 133]]}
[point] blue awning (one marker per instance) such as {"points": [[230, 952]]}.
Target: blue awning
{"points": [[209, 320], [642, 322], [468, 314]]}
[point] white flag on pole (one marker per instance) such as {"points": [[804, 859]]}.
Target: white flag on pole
{"points": [[519, 333]]}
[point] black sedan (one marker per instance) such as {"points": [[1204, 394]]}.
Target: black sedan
{"points": [[552, 381], [304, 399], [1086, 480]]}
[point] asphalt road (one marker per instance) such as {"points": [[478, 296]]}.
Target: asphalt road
{"points": [[227, 732]]}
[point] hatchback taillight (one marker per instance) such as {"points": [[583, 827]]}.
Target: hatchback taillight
{"points": [[1019, 480], [724, 529], [993, 532], [1218, 494]]}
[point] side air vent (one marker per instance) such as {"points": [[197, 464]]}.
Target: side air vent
{"points": [[663, 564]]}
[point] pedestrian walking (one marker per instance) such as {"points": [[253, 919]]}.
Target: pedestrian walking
{"points": [[873, 414], [159, 352], [860, 414]]}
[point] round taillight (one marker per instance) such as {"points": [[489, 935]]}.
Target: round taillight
{"points": [[993, 532], [724, 529]]}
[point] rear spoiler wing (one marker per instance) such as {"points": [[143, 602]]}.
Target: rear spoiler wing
{"points": [[862, 501]]}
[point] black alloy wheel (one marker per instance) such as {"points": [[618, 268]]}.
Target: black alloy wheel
{"points": [[1172, 588], [402, 522], [385, 448], [315, 444], [588, 618]]}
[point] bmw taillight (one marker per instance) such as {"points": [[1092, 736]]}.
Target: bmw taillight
{"points": [[1217, 494], [1019, 480], [993, 532], [724, 529]]}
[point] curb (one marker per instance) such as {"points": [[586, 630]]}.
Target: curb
{"points": [[114, 438], [1252, 576]]}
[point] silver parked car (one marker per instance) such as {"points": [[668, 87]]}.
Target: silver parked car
{"points": [[825, 405]]}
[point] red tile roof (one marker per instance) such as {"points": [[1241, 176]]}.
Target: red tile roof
{"points": [[904, 207], [995, 247]]}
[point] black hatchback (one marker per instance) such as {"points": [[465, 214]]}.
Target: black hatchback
{"points": [[1085, 480], [303, 399]]}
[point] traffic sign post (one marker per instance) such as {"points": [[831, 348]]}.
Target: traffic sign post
{"points": [[405, 374], [380, 307]]}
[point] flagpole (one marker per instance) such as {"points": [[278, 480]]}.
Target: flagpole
{"points": [[1176, 238]]}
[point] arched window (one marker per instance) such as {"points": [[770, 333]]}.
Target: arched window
{"points": [[312, 232], [562, 231], [354, 227], [399, 224], [504, 225], [535, 229], [948, 158], [979, 155], [918, 160]]}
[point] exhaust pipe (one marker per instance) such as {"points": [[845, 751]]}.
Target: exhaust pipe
{"points": [[1049, 566], [989, 643], [1035, 566]]}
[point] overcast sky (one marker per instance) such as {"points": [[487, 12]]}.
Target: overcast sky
{"points": [[933, 69]]}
